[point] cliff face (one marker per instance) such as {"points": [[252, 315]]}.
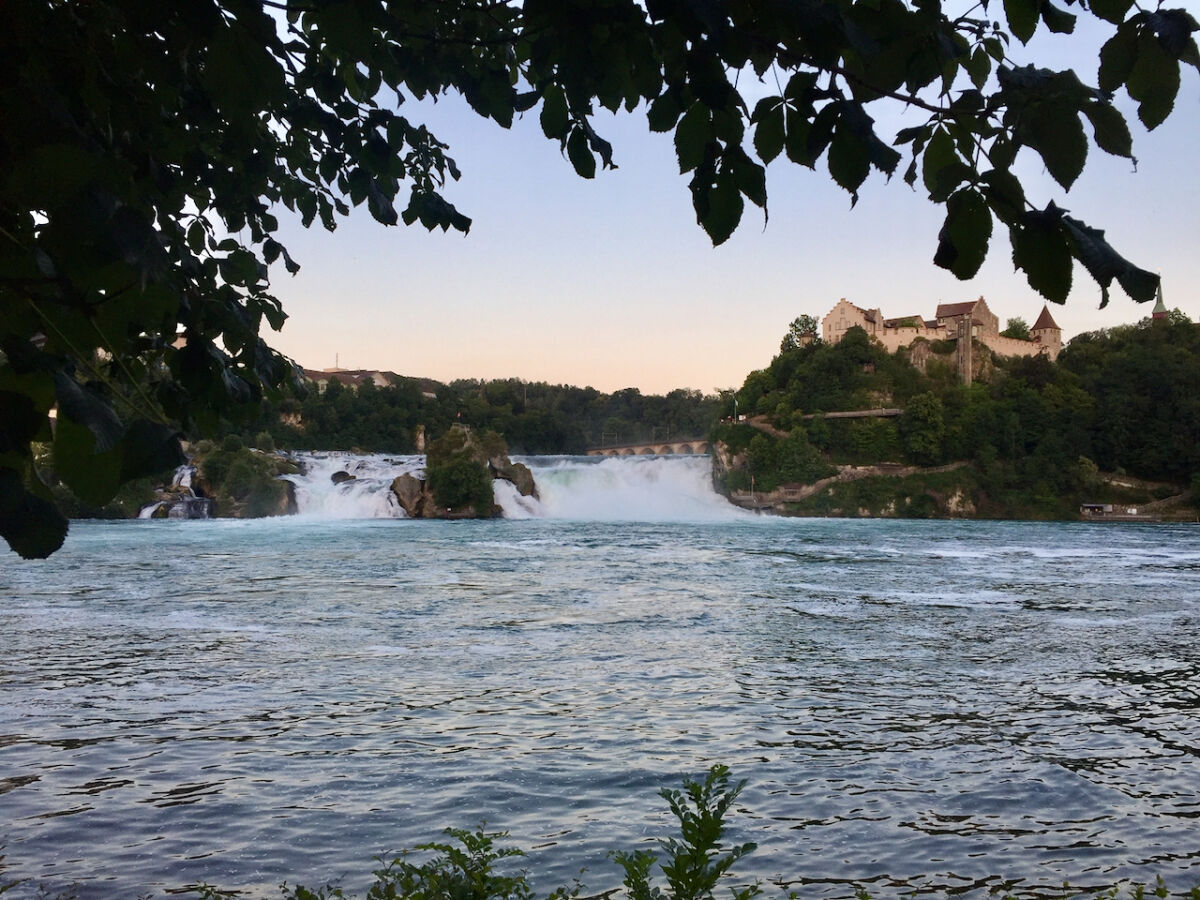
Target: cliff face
{"points": [[724, 461]]}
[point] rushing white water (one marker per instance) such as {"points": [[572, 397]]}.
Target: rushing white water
{"points": [[367, 495], [626, 489], [187, 506], [588, 489]]}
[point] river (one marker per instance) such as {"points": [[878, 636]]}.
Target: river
{"points": [[915, 705]]}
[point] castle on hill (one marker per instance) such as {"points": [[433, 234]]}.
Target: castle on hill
{"points": [[949, 322]]}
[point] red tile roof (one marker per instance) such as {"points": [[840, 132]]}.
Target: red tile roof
{"points": [[950, 310], [1045, 320]]}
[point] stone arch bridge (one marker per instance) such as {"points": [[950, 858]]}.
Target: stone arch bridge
{"points": [[653, 448]]}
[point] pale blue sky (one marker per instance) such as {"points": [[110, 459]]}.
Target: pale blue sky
{"points": [[611, 282]]}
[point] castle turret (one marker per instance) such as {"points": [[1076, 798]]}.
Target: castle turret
{"points": [[1047, 333], [1160, 308]]}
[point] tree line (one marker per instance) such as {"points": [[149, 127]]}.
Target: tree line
{"points": [[534, 417]]}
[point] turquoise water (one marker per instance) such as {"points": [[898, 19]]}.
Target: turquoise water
{"points": [[914, 704]]}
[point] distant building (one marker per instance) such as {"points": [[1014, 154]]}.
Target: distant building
{"points": [[355, 377], [950, 320]]}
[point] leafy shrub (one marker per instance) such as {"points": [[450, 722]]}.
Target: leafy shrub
{"points": [[462, 482], [232, 443], [697, 860]]}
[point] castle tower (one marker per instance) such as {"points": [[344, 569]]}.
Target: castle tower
{"points": [[1046, 332], [1160, 308], [966, 331]]}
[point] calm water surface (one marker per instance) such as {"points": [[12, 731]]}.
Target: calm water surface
{"points": [[915, 705]]}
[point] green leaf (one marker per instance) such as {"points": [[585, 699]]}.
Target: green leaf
{"points": [[664, 112], [769, 131], [1110, 10], [85, 404], [692, 135], [848, 161], [719, 208], [1002, 152], [1110, 130], [148, 449], [941, 170], [1153, 81], [579, 154], [1040, 250], [751, 178], [1053, 129], [963, 240], [554, 116], [1059, 21], [525, 101], [1117, 57], [979, 67], [31, 525], [1174, 28], [1022, 18], [1004, 194], [93, 476], [1089, 246]]}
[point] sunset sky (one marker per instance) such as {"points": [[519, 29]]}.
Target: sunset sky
{"points": [[611, 283]]}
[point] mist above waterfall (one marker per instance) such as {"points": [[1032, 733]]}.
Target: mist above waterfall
{"points": [[628, 489], [622, 489]]}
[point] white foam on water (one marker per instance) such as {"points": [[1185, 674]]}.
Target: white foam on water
{"points": [[368, 495], [620, 489], [629, 489]]}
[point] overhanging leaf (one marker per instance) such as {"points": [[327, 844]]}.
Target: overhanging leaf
{"points": [[1153, 81], [1040, 250], [149, 448], [31, 525], [1089, 246], [769, 130], [579, 154], [1110, 10], [1110, 129], [1053, 129], [1022, 18], [92, 475], [85, 405], [692, 136], [553, 117], [963, 240]]}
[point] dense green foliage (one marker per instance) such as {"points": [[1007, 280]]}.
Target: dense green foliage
{"points": [[241, 482], [457, 470], [534, 417], [149, 149], [1123, 400]]}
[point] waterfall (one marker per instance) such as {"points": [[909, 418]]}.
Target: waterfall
{"points": [[362, 491], [622, 489], [185, 504]]}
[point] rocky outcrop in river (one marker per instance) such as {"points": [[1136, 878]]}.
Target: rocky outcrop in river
{"points": [[459, 470]]}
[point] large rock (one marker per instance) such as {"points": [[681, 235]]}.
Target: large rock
{"points": [[410, 492], [517, 473], [463, 465]]}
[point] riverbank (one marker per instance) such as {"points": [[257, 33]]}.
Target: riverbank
{"points": [[957, 490]]}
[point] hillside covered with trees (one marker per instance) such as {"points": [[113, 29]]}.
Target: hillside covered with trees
{"points": [[1030, 438], [534, 417]]}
